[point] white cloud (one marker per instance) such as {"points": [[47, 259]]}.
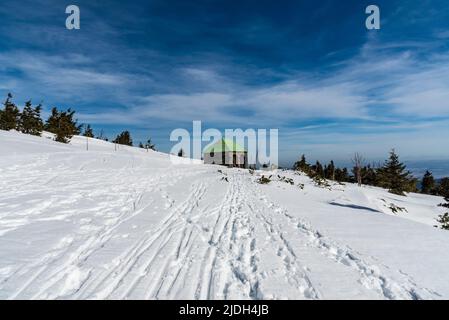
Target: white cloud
{"points": [[374, 86], [422, 93], [292, 101], [410, 86], [403, 81], [442, 34], [197, 106], [64, 76]]}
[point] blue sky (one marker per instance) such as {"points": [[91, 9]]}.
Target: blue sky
{"points": [[308, 68]]}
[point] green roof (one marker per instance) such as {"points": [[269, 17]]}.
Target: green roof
{"points": [[225, 145]]}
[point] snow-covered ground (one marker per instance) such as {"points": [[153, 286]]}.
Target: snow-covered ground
{"points": [[129, 224]]}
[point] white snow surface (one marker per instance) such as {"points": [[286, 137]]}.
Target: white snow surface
{"points": [[130, 224]]}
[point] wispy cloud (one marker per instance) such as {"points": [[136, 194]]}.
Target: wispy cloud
{"points": [[444, 34], [383, 87], [71, 77], [330, 84]]}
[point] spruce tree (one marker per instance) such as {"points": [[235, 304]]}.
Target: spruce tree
{"points": [[329, 171], [427, 183], [318, 170], [62, 124], [443, 188], [52, 123], [181, 153], [9, 117], [339, 175], [88, 132], [302, 165], [124, 138], [369, 175], [444, 218], [30, 121], [412, 185], [394, 176], [345, 174]]}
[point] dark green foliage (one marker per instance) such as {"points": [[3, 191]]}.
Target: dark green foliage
{"points": [[446, 205], [367, 173], [181, 153], [428, 183], [321, 182], [394, 176], [62, 124], [396, 209], [302, 165], [88, 132], [369, 176], [443, 188], [329, 171], [412, 184], [149, 145], [264, 180], [9, 116], [316, 171], [444, 221], [30, 121], [444, 191], [341, 175], [319, 169], [124, 138], [286, 180]]}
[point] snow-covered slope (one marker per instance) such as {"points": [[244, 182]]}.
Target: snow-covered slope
{"points": [[126, 223]]}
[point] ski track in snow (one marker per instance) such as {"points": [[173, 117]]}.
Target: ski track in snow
{"points": [[370, 275], [231, 242]]}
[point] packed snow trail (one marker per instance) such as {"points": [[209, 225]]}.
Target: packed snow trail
{"points": [[129, 224]]}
